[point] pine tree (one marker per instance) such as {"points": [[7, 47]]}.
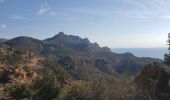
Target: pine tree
{"points": [[167, 56]]}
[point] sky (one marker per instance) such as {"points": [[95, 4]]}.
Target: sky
{"points": [[112, 23]]}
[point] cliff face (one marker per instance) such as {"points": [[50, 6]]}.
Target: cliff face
{"points": [[74, 42]]}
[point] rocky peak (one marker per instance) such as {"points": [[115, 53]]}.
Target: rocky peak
{"points": [[61, 33], [86, 40], [74, 42]]}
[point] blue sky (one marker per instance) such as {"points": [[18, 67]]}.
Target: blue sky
{"points": [[112, 23]]}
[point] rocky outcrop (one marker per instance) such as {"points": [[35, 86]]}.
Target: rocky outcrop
{"points": [[153, 79], [31, 75], [25, 75], [75, 43]]}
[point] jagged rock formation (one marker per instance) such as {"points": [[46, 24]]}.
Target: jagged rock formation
{"points": [[75, 43]]}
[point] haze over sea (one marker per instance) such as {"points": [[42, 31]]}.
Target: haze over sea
{"points": [[143, 52]]}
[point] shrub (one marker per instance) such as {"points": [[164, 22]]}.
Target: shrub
{"points": [[46, 87], [76, 90], [20, 91]]}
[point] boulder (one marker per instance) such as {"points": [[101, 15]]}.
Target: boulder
{"points": [[31, 75]]}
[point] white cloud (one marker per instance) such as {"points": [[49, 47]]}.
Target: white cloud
{"points": [[150, 9], [165, 17], [18, 17], [3, 26], [43, 9]]}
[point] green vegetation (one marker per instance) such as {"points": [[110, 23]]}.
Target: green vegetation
{"points": [[167, 56], [43, 88], [70, 70], [20, 91], [48, 87], [62, 45]]}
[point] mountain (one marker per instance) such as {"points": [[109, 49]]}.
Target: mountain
{"points": [[71, 67], [89, 56], [2, 40], [26, 43], [75, 43]]}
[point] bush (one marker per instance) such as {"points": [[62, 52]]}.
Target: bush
{"points": [[77, 90], [46, 87], [20, 91], [113, 89]]}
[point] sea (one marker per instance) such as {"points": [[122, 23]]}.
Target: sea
{"points": [[143, 52]]}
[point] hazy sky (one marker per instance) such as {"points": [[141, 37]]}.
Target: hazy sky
{"points": [[113, 23]]}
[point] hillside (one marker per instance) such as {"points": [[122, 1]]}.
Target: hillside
{"points": [[26, 43], [62, 45], [24, 75], [17, 65], [68, 70]]}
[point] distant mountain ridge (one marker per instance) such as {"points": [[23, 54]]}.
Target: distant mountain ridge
{"points": [[26, 43], [90, 55], [74, 42], [2, 40], [60, 40], [143, 52]]}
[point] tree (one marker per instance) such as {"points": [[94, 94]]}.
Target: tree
{"points": [[167, 56], [46, 87], [20, 91], [77, 90]]}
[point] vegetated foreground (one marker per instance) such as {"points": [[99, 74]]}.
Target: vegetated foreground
{"points": [[66, 67]]}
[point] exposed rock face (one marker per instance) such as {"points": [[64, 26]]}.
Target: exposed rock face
{"points": [[31, 75], [11, 62], [154, 79], [75, 42]]}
